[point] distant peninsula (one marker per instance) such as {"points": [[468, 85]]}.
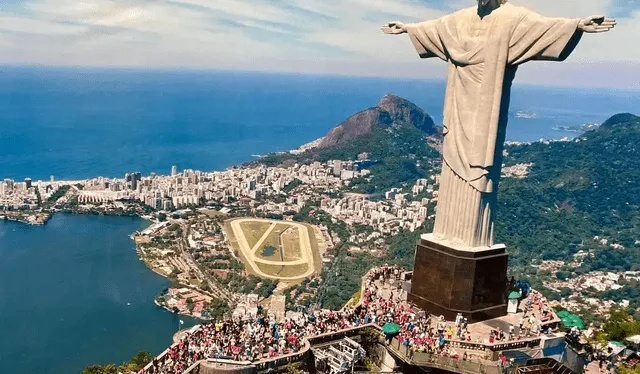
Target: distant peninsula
{"points": [[579, 128], [524, 114]]}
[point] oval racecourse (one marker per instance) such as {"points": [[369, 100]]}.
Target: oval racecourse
{"points": [[271, 249]]}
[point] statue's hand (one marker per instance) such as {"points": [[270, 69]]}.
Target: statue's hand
{"points": [[394, 28], [596, 24]]}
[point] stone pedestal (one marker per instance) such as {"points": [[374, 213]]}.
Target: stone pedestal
{"points": [[448, 280]]}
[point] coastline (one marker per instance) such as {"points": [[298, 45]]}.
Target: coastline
{"points": [[178, 313], [26, 217], [175, 284], [41, 218]]}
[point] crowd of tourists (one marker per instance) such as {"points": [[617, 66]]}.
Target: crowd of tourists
{"points": [[263, 338]]}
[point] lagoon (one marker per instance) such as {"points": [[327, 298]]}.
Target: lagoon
{"points": [[74, 293]]}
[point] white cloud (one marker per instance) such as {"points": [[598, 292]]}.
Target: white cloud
{"points": [[35, 26], [248, 9], [617, 45], [330, 36], [567, 8]]}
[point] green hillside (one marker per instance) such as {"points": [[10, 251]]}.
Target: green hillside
{"points": [[575, 191], [394, 134]]}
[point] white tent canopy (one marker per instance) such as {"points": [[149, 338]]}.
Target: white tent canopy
{"points": [[634, 339]]}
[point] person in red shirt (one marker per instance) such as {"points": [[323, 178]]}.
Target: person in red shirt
{"points": [[503, 360]]}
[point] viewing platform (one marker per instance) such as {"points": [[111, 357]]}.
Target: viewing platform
{"points": [[479, 354], [481, 362]]}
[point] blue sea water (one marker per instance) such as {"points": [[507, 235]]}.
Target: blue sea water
{"points": [[81, 123], [64, 287], [73, 293]]}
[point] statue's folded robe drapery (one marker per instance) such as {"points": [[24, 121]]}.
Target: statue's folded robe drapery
{"points": [[483, 54]]}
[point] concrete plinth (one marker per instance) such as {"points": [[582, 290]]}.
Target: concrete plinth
{"points": [[447, 280]]}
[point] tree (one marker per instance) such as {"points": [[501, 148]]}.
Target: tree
{"points": [[137, 363], [620, 325], [142, 359], [173, 277], [217, 308], [100, 369], [293, 368], [625, 370], [267, 287]]}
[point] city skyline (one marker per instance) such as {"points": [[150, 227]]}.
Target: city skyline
{"points": [[298, 36]]}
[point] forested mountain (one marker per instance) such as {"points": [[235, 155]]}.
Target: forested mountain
{"points": [[391, 110], [394, 135], [575, 191]]}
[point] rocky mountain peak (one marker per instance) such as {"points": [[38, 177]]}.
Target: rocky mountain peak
{"points": [[391, 110]]}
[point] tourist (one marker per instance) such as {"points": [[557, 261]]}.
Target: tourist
{"points": [[262, 337]]}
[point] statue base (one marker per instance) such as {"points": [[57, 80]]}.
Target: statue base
{"points": [[448, 280]]}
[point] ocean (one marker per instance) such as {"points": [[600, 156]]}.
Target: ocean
{"points": [[82, 123], [73, 293]]}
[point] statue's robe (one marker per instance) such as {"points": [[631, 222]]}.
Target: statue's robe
{"points": [[483, 54]]}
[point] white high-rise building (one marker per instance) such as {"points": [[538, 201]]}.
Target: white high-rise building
{"points": [[337, 167]]}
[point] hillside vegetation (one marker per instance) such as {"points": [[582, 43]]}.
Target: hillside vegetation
{"points": [[394, 134], [575, 191]]}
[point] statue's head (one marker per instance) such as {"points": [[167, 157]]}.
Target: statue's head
{"points": [[484, 3]]}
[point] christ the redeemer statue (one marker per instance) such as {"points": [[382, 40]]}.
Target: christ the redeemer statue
{"points": [[483, 47]]}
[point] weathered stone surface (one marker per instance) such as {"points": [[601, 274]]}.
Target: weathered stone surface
{"points": [[483, 47]]}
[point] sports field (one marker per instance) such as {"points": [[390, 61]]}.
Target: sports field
{"points": [[275, 249]]}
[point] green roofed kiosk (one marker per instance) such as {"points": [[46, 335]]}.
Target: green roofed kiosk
{"points": [[514, 299]]}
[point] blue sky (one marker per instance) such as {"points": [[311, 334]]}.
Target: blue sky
{"points": [[312, 36]]}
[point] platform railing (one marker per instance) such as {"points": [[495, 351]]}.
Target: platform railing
{"points": [[283, 360], [458, 365]]}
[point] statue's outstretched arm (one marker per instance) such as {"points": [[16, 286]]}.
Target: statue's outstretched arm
{"points": [[425, 36], [538, 37]]}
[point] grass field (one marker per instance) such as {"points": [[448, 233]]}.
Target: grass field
{"points": [[272, 240], [314, 247], [253, 231], [211, 213], [284, 271], [291, 244]]}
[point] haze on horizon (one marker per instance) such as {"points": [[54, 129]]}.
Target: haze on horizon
{"points": [[334, 37]]}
